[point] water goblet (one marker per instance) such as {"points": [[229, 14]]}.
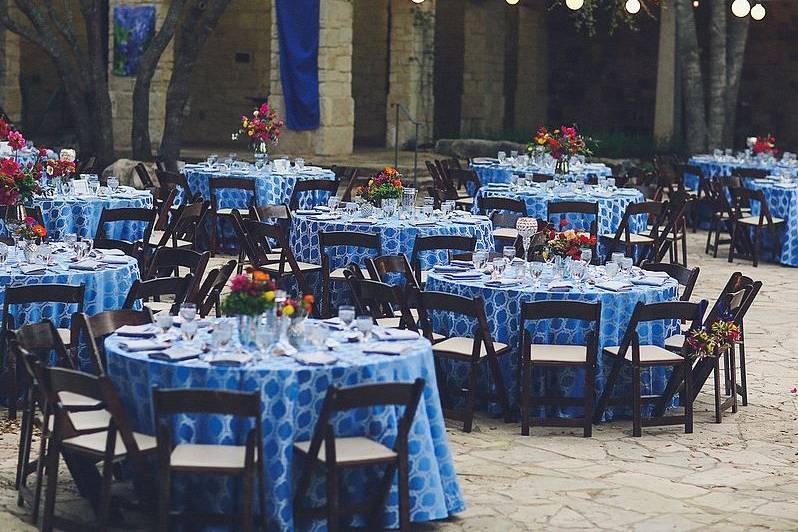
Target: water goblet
{"points": [[526, 228], [626, 266], [299, 164], [479, 258], [611, 268], [514, 154], [364, 324], [188, 312], [426, 210], [346, 313], [44, 254], [333, 203], [617, 258], [536, 270], [502, 156], [164, 321], [3, 256], [578, 271], [499, 264], [586, 256], [188, 329], [222, 334], [113, 184], [508, 252]]}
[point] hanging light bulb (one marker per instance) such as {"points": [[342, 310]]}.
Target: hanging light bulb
{"points": [[741, 8], [417, 1], [633, 6], [696, 3], [758, 12], [574, 4], [513, 2]]}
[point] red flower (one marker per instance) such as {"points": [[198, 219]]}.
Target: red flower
{"points": [[15, 140], [563, 222]]}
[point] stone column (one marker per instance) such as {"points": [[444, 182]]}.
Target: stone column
{"points": [[411, 69], [336, 131], [11, 92], [532, 80], [666, 103], [482, 107], [120, 88]]}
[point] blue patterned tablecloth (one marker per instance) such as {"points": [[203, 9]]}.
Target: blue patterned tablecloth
{"points": [[106, 288], [81, 215], [497, 173], [503, 308], [713, 167], [272, 188], [292, 396], [611, 207], [782, 201]]}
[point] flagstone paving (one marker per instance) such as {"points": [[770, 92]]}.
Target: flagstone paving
{"points": [[740, 474]]}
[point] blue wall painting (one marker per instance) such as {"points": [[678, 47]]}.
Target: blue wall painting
{"points": [[134, 27]]}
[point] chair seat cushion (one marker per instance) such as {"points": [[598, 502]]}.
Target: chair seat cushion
{"points": [[505, 232], [224, 212], [566, 354], [65, 335], [197, 456], [466, 200], [158, 306], [649, 354], [303, 267], [461, 345], [388, 323], [352, 450], [754, 220], [156, 236], [76, 399], [338, 274], [413, 312], [95, 442], [675, 342], [634, 238]]}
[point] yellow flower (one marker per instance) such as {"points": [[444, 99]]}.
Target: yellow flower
{"points": [[541, 141], [288, 310], [250, 132], [269, 296]]}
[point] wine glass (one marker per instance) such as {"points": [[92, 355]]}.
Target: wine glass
{"points": [[499, 263], [333, 203], [508, 252], [479, 258], [536, 270], [364, 324], [578, 271], [526, 227], [188, 329], [587, 256], [222, 334], [626, 266], [346, 313], [3, 256], [164, 321], [188, 311], [113, 184], [611, 268]]}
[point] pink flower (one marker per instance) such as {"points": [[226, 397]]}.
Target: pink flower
{"points": [[16, 140], [794, 390]]}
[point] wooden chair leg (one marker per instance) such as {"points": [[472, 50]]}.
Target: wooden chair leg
{"points": [[52, 482], [332, 500], [733, 371], [608, 386], [501, 390], [688, 395], [25, 433], [716, 375], [684, 249], [214, 230], [246, 510], [733, 242], [471, 398], [261, 492], [105, 494], [637, 420], [757, 246], [743, 375], [726, 375], [12, 386], [717, 240], [40, 464], [590, 390], [165, 502], [404, 494], [709, 236]]}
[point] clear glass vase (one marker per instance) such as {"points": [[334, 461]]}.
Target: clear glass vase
{"points": [[247, 330]]}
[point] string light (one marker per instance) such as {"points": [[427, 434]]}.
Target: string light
{"points": [[417, 1], [741, 8], [513, 2], [758, 12], [574, 5], [696, 3], [633, 6]]}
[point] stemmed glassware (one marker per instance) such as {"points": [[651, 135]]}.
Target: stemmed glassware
{"points": [[526, 228]]}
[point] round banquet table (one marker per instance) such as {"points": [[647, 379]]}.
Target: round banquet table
{"points": [[493, 172], [611, 205], [503, 308], [292, 395], [782, 199], [396, 236], [81, 214], [712, 166], [272, 188]]}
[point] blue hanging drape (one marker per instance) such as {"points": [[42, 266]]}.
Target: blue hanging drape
{"points": [[298, 34]]}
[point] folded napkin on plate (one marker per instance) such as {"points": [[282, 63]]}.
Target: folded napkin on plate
{"points": [[560, 286], [177, 353], [423, 223], [395, 335], [451, 268], [364, 220], [325, 217], [307, 211], [501, 283], [648, 273], [114, 259], [615, 286], [143, 345], [30, 269], [322, 208], [235, 358], [649, 281], [114, 252], [334, 323], [385, 349], [464, 275], [145, 330], [463, 263], [314, 359], [465, 221], [86, 265], [282, 348]]}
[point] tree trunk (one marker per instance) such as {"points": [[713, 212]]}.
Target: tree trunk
{"points": [[198, 23], [736, 38], [717, 75], [148, 62], [693, 85]]}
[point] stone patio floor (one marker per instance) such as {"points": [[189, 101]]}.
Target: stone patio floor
{"points": [[740, 474]]}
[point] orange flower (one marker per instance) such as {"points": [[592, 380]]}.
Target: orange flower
{"points": [[260, 276], [40, 230], [309, 298]]}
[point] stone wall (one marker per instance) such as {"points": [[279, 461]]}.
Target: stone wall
{"points": [[121, 88], [531, 93], [370, 70], [232, 74]]}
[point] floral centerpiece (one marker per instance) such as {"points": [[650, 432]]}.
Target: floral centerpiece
{"points": [[387, 184], [561, 144], [713, 341], [31, 230], [251, 294], [765, 145], [63, 167], [293, 312], [569, 243], [19, 183], [261, 130]]}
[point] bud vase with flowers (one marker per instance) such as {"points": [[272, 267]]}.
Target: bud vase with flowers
{"points": [[561, 144], [293, 312], [251, 295], [31, 233]]}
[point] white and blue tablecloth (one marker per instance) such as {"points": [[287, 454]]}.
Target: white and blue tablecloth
{"points": [[396, 236], [503, 310], [106, 289], [782, 199], [714, 167], [272, 188], [611, 206], [292, 395], [81, 214], [501, 173]]}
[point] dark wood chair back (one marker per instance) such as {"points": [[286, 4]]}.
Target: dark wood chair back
{"points": [[259, 234], [380, 300], [681, 311], [209, 294], [34, 212], [563, 208], [309, 186], [467, 179], [589, 313], [231, 183], [43, 340], [127, 214], [144, 176], [91, 331], [686, 277], [41, 293], [380, 268], [444, 302], [168, 261], [488, 204], [449, 243], [751, 173], [177, 287]]}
